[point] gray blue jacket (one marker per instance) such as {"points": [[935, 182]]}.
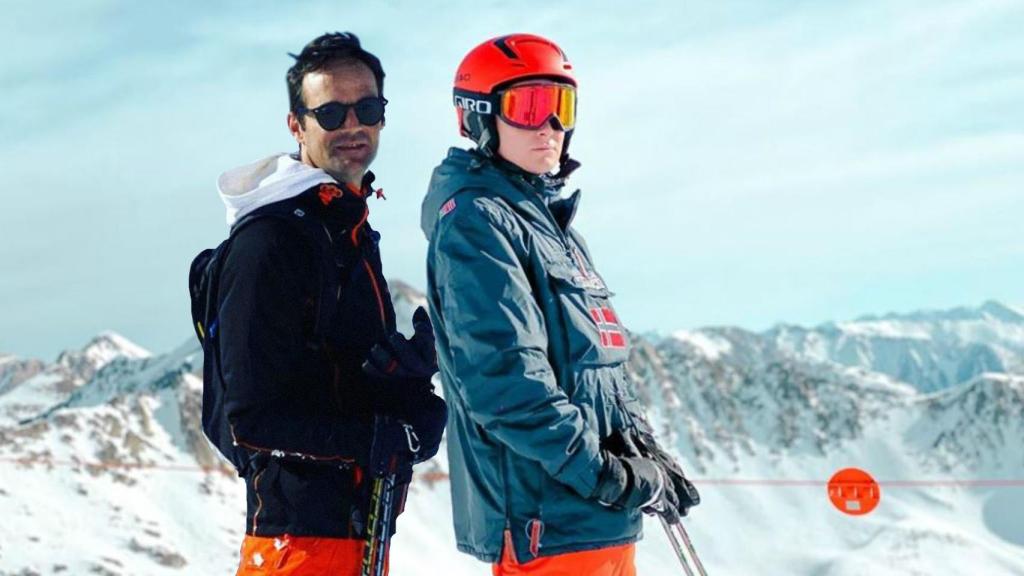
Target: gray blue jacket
{"points": [[532, 359]]}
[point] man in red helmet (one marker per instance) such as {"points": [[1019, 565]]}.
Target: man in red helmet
{"points": [[551, 459]]}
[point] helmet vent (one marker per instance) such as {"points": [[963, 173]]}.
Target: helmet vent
{"points": [[502, 45]]}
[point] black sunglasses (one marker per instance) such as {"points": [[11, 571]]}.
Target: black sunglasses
{"points": [[331, 116]]}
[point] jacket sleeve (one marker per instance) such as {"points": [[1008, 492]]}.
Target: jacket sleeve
{"points": [[270, 402], [498, 346]]}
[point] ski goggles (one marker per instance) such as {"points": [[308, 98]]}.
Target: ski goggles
{"points": [[527, 106], [331, 116]]}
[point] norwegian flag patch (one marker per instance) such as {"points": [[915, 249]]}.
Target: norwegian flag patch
{"points": [[608, 327], [447, 207]]}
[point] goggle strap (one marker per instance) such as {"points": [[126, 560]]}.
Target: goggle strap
{"points": [[475, 101]]}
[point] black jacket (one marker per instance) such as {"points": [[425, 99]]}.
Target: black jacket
{"points": [[301, 405]]}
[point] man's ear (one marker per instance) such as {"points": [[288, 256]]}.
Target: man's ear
{"points": [[295, 127]]}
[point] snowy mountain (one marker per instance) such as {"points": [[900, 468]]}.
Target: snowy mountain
{"points": [[979, 424], [723, 395], [931, 350], [101, 458], [14, 371], [405, 299], [104, 470], [31, 387]]}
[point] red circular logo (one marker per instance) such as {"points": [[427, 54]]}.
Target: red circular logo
{"points": [[853, 491]]}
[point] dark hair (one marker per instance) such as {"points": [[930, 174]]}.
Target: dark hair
{"points": [[323, 51]]}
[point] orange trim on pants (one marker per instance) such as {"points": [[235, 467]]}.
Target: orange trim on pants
{"points": [[612, 561], [301, 556]]}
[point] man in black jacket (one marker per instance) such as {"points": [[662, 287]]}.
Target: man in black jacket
{"points": [[320, 391]]}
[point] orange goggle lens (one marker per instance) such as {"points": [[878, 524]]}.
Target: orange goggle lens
{"points": [[531, 105]]}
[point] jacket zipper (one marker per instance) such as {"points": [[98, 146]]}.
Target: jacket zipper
{"points": [[508, 505], [259, 500], [534, 196], [362, 221], [376, 290]]}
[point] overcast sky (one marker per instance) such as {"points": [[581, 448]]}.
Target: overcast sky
{"points": [[745, 163]]}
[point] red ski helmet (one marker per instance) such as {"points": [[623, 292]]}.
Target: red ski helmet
{"points": [[495, 64]]}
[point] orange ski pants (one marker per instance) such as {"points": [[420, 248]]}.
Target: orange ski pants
{"points": [[613, 561], [301, 556]]}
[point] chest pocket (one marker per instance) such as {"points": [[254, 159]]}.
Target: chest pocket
{"points": [[596, 337]]}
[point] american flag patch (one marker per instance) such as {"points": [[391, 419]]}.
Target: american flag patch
{"points": [[447, 207]]}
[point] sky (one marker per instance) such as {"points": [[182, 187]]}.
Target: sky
{"points": [[744, 163]]}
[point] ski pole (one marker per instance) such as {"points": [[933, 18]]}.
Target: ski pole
{"points": [[372, 538], [372, 525], [378, 525], [375, 549], [676, 546], [384, 536], [689, 546], [388, 503], [680, 539]]}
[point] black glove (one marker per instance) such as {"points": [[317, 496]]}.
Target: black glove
{"points": [[686, 493], [394, 446], [398, 357], [399, 369], [427, 413], [411, 426], [635, 482]]}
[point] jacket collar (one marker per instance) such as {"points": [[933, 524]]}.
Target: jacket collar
{"points": [[548, 187], [467, 169]]}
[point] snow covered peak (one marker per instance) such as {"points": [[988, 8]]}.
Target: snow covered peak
{"points": [[930, 349], [990, 310], [108, 345], [997, 311], [889, 328], [982, 393], [977, 424], [406, 299], [101, 350], [402, 291], [29, 387], [131, 375], [711, 346], [722, 395], [14, 371]]}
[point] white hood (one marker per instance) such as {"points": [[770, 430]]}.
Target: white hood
{"points": [[275, 178]]}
